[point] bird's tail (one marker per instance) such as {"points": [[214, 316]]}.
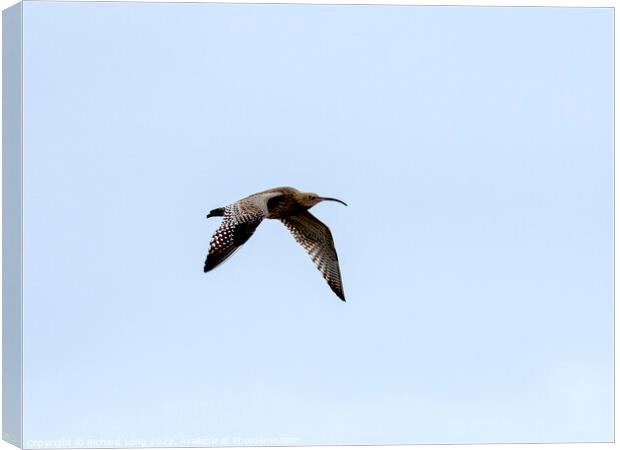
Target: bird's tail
{"points": [[217, 212]]}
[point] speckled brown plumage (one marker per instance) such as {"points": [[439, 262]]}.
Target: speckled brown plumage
{"points": [[240, 220]]}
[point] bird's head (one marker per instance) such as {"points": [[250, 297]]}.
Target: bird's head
{"points": [[309, 199]]}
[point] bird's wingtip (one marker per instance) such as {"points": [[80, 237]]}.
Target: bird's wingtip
{"points": [[217, 212]]}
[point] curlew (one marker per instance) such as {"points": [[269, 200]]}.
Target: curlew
{"points": [[290, 206]]}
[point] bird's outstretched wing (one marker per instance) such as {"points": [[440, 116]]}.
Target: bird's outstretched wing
{"points": [[240, 221], [314, 236]]}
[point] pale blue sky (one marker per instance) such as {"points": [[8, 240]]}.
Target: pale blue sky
{"points": [[473, 145]]}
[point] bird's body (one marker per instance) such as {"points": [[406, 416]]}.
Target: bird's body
{"points": [[290, 206]]}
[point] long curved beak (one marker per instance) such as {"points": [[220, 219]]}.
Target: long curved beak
{"points": [[333, 200]]}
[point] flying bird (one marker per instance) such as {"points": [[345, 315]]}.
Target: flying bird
{"points": [[290, 206]]}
